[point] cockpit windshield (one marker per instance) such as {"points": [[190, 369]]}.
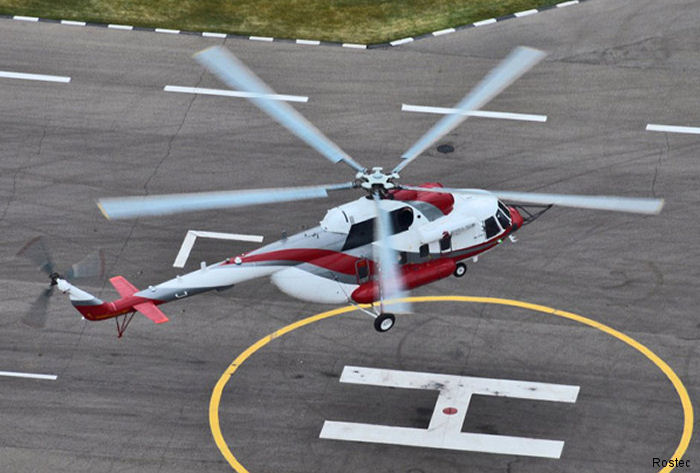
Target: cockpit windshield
{"points": [[504, 208], [502, 219]]}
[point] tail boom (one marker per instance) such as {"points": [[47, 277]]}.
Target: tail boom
{"points": [[92, 308]]}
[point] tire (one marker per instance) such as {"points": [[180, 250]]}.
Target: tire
{"points": [[460, 270], [384, 322]]}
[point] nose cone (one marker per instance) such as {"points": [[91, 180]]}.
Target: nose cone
{"points": [[516, 218]]}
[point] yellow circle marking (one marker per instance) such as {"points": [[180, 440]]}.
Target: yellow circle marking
{"points": [[653, 357]]}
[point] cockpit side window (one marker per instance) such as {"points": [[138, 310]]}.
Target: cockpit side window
{"points": [[491, 227]]}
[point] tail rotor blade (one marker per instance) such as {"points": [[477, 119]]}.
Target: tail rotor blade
{"points": [[36, 252], [38, 311], [517, 63], [92, 266], [390, 283], [227, 67]]}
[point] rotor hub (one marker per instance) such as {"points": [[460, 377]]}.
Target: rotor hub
{"points": [[376, 180]]}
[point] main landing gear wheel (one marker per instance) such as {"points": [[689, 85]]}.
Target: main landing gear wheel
{"points": [[460, 270], [384, 322]]}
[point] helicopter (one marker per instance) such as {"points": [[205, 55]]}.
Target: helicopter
{"points": [[368, 252]]}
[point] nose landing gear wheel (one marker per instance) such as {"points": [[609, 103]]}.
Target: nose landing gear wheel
{"points": [[460, 270], [384, 322]]}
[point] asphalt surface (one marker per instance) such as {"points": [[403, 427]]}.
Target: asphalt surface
{"points": [[140, 403]]}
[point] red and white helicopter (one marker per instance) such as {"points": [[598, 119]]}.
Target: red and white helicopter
{"points": [[394, 238]]}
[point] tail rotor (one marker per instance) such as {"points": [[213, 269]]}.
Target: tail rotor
{"points": [[36, 251]]}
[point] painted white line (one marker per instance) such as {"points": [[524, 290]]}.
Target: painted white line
{"points": [[674, 129], [120, 27], [475, 113], [401, 41], [355, 46], [497, 444], [261, 38], [207, 34], [233, 93], [308, 41], [526, 13], [451, 384], [73, 23], [165, 30], [40, 77], [25, 18], [191, 237], [442, 32], [14, 374], [485, 22], [567, 4]]}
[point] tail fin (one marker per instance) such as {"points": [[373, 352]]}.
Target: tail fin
{"points": [[83, 301], [77, 295]]}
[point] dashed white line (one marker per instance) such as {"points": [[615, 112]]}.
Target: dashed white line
{"points": [[567, 4], [120, 27], [401, 41], [25, 18], [233, 93], [207, 34], [73, 23], [442, 32], [485, 22], [261, 38], [355, 46], [39, 77], [165, 30], [308, 41], [13, 374], [525, 13], [476, 113], [674, 129]]}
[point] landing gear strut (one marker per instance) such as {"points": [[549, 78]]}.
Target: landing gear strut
{"points": [[460, 270], [384, 322]]}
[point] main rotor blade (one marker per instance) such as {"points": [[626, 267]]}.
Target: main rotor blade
{"points": [[640, 205], [227, 67], [390, 283], [518, 62], [141, 206]]}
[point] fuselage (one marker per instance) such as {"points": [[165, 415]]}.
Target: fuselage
{"points": [[332, 262]]}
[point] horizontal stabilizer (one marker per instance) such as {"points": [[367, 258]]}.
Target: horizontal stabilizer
{"points": [[150, 310], [123, 287]]}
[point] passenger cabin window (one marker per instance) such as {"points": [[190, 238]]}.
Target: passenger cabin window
{"points": [[362, 233], [502, 219], [424, 251], [491, 227], [446, 242]]}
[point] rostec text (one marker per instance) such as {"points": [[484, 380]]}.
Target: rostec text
{"points": [[673, 463]]}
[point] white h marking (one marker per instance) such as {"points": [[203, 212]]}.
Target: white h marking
{"points": [[444, 430]]}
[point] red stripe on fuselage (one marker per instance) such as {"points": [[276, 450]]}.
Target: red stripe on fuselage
{"points": [[328, 259]]}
